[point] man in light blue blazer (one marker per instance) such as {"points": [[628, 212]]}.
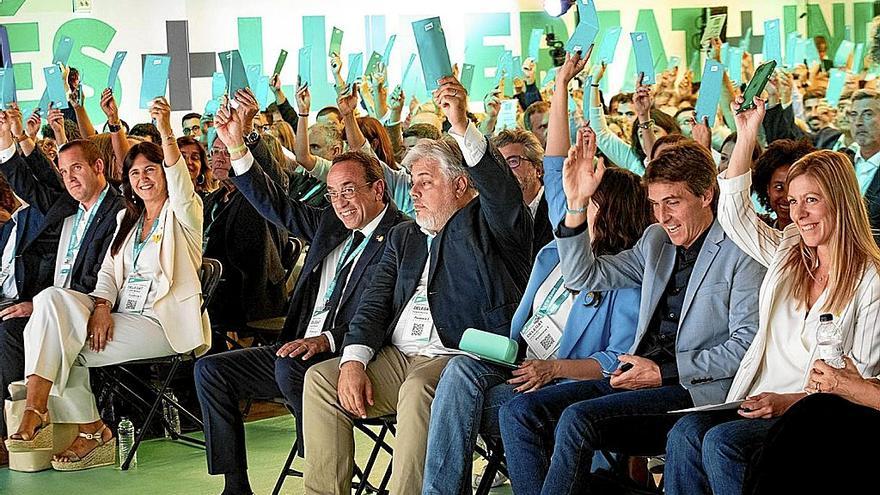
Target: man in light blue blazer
{"points": [[697, 316]]}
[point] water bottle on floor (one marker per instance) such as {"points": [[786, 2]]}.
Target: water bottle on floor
{"points": [[830, 339], [172, 416], [125, 432]]}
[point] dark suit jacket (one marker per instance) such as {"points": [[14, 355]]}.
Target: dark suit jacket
{"points": [[779, 124], [481, 261], [872, 201], [34, 180], [28, 227], [543, 231], [323, 230], [253, 284]]}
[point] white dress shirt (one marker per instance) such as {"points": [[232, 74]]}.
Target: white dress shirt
{"points": [[865, 170], [7, 261], [533, 206], [65, 244]]}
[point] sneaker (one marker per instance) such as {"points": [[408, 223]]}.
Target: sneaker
{"points": [[499, 480]]}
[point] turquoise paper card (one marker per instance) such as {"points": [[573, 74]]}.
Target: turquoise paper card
{"points": [[433, 53], [644, 57], [114, 68], [155, 78], [710, 92], [55, 87]]}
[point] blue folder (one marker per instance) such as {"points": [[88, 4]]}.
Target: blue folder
{"points": [[535, 43], [7, 86], [836, 82], [644, 57], [155, 79], [305, 66], [467, 76], [114, 68], [812, 53], [608, 45], [710, 92], [433, 53], [55, 87], [772, 41], [584, 35], [233, 71], [62, 51], [355, 66]]}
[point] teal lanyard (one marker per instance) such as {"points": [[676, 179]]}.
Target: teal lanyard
{"points": [[75, 241], [344, 259], [140, 244], [552, 302]]}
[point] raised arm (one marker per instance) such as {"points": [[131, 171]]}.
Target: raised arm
{"points": [[609, 143], [182, 197], [15, 168], [117, 137], [643, 101], [558, 140], [301, 149], [393, 124], [288, 114], [77, 100], [347, 104]]}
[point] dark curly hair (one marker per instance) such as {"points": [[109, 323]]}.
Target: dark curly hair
{"points": [[662, 120], [779, 153], [624, 211]]}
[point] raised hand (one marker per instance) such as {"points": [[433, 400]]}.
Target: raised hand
{"points": [[580, 176], [643, 100], [160, 111], [529, 69], [348, 100], [452, 99], [275, 86], [396, 106], [32, 126], [108, 106], [228, 126], [748, 122], [492, 103], [572, 66], [303, 100], [56, 122], [16, 126], [248, 107], [701, 132], [599, 72]]}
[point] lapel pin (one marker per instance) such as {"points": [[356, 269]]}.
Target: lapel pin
{"points": [[380, 238]]}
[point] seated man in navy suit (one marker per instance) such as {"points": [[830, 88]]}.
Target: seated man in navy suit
{"points": [[346, 242], [465, 264], [76, 212]]}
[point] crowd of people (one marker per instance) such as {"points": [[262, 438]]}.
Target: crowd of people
{"points": [[646, 264]]}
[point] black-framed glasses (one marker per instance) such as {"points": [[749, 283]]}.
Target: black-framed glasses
{"points": [[191, 129], [347, 192], [218, 152], [514, 161]]}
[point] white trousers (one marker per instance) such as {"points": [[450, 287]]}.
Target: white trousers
{"points": [[55, 349]]}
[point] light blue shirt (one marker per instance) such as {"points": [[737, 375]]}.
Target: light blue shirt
{"points": [[865, 170]]}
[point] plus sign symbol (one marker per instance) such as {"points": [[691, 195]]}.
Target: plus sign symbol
{"points": [[185, 65]]}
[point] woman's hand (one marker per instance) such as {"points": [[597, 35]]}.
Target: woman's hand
{"points": [[749, 121], [534, 374], [580, 177], [573, 66], [100, 328], [767, 405], [827, 379], [160, 111], [108, 106]]}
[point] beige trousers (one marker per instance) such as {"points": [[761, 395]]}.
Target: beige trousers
{"points": [[401, 384]]}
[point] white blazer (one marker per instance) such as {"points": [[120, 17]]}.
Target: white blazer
{"points": [[770, 247], [178, 293]]}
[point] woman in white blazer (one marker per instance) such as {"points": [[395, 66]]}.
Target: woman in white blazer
{"points": [[825, 262], [145, 304]]}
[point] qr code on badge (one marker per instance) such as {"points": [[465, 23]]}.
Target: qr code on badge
{"points": [[546, 342], [418, 328], [130, 305]]}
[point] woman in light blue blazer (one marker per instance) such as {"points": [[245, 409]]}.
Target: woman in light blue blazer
{"points": [[563, 336]]}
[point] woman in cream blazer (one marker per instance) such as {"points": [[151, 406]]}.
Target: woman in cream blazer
{"points": [[146, 303], [825, 262]]}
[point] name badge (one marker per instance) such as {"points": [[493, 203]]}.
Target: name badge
{"points": [[542, 336], [316, 324], [134, 294], [420, 321]]}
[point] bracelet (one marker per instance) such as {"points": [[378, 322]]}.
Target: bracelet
{"points": [[594, 85], [101, 302], [237, 150], [575, 211], [302, 114], [647, 124], [168, 137]]}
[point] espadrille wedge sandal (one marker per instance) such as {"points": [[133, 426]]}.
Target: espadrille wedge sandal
{"points": [[104, 454], [41, 438]]}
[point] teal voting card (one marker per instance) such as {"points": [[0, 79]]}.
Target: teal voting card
{"points": [[305, 66], [386, 55], [155, 79], [63, 50], [608, 45], [644, 57], [7, 87], [335, 42], [792, 42], [844, 50], [800, 51], [746, 41], [467, 76], [550, 76], [535, 43], [516, 67], [55, 87], [218, 85], [43, 106], [253, 76], [858, 58], [587, 30], [355, 66], [261, 91], [836, 83], [710, 92], [279, 64], [406, 72], [674, 61], [734, 64], [713, 28], [585, 101], [373, 63], [772, 41], [233, 71], [114, 68], [811, 52], [433, 53]]}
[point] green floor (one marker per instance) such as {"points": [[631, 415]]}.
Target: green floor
{"points": [[167, 467]]}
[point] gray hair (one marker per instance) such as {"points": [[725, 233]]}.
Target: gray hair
{"points": [[329, 131], [865, 94], [445, 152]]}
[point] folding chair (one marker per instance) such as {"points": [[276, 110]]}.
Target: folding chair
{"points": [[494, 454], [210, 276], [267, 330], [386, 424], [619, 479]]}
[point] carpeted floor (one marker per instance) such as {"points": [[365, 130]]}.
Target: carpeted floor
{"points": [[166, 467]]}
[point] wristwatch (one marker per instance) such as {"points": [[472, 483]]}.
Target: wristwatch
{"points": [[251, 138], [114, 127]]}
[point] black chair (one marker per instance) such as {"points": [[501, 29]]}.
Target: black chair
{"points": [[617, 480], [267, 330], [494, 454], [210, 276], [385, 424]]}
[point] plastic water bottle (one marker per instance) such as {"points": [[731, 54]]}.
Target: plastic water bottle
{"points": [[125, 432], [830, 340], [172, 416]]}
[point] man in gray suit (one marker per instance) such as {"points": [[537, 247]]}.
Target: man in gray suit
{"points": [[698, 315]]}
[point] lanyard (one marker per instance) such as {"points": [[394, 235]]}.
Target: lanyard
{"points": [[139, 244], [552, 302], [75, 242], [344, 259]]}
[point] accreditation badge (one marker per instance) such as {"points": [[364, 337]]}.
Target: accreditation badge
{"points": [[134, 294]]}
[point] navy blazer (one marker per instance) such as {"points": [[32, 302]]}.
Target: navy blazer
{"points": [[481, 261], [28, 226], [34, 180], [324, 231]]}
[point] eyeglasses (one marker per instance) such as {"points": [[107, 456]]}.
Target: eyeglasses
{"points": [[218, 152], [266, 128], [189, 130], [513, 161], [345, 193]]}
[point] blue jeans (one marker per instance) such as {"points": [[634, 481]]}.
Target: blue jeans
{"points": [[708, 452], [466, 403], [550, 435]]}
